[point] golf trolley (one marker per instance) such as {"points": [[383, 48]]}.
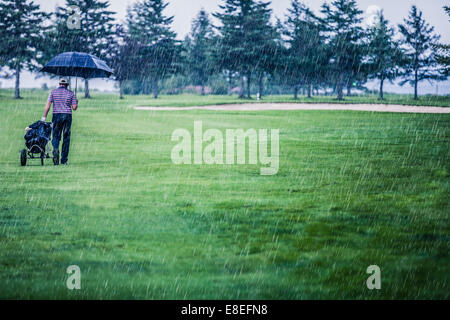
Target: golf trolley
{"points": [[37, 141]]}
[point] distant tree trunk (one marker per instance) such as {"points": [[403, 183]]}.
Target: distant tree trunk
{"points": [[17, 88], [242, 92], [145, 87], [249, 79], [260, 86], [416, 80], [76, 85], [296, 92], [309, 90], [381, 88], [155, 88], [230, 83], [349, 89], [203, 88], [86, 89], [121, 89], [340, 87]]}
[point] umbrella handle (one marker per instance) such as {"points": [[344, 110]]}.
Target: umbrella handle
{"points": [[76, 86]]}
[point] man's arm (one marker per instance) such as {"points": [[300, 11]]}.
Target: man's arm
{"points": [[46, 110], [74, 103]]}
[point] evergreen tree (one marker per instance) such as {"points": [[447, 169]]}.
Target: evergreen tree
{"points": [[342, 21], [418, 38], [21, 30], [198, 47], [359, 70], [121, 57], [385, 55], [268, 50], [3, 35], [159, 53], [246, 37], [268, 64], [223, 64], [442, 53], [306, 54], [94, 35]]}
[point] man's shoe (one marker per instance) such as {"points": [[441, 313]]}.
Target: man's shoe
{"points": [[56, 158]]}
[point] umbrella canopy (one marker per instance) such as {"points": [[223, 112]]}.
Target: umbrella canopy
{"points": [[77, 64]]}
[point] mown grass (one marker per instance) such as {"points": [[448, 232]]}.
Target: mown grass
{"points": [[353, 189], [186, 100]]}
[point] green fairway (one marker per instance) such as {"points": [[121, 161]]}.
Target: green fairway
{"points": [[354, 189], [185, 100]]}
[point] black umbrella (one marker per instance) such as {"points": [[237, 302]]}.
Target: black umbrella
{"points": [[77, 64]]}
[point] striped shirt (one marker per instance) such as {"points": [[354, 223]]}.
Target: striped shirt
{"points": [[63, 100]]}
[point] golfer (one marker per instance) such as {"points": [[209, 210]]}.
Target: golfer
{"points": [[64, 101]]}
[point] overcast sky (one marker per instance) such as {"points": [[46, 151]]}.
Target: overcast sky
{"points": [[186, 10]]}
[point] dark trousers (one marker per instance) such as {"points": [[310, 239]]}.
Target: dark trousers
{"points": [[61, 125]]}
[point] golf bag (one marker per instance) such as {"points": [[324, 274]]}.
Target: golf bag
{"points": [[38, 137]]}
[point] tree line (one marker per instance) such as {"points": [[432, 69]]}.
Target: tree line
{"points": [[303, 50]]}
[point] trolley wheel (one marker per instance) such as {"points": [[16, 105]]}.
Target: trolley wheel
{"points": [[42, 158], [23, 158]]}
